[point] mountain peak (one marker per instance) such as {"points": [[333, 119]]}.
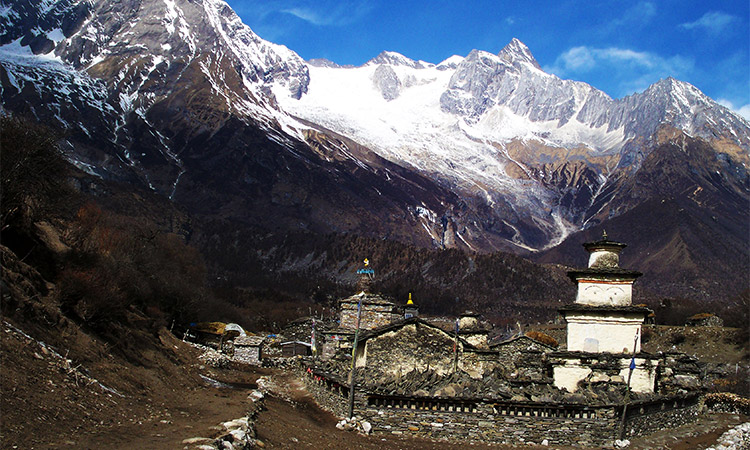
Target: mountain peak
{"points": [[395, 59], [518, 51]]}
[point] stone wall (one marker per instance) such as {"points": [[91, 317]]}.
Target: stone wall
{"points": [[505, 423], [477, 362], [372, 316], [645, 418], [414, 346], [523, 359], [247, 355], [331, 394]]}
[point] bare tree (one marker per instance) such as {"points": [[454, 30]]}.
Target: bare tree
{"points": [[32, 171]]}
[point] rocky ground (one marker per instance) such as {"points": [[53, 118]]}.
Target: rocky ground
{"points": [[51, 401]]}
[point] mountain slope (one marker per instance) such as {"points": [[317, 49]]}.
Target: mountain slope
{"points": [[685, 219], [482, 153]]}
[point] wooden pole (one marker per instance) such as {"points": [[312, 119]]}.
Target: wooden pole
{"points": [[354, 359], [455, 350], [621, 433]]}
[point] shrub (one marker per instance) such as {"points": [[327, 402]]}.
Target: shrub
{"points": [[677, 339], [33, 172]]}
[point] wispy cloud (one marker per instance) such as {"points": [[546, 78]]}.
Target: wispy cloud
{"points": [[584, 58], [713, 22], [329, 13], [633, 18], [743, 110], [634, 70], [321, 13], [643, 12]]}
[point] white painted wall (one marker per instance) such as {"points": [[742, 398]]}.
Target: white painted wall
{"points": [[611, 293], [612, 334], [567, 376], [572, 371], [644, 376]]}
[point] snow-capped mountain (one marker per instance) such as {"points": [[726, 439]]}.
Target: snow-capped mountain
{"points": [[480, 152], [137, 55], [496, 127]]}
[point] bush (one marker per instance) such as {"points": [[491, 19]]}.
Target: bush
{"points": [[677, 339], [33, 172], [121, 262]]}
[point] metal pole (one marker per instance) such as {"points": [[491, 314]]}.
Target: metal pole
{"points": [[354, 357], [621, 433]]}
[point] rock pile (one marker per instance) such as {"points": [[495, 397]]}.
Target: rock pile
{"points": [[212, 358], [237, 434], [727, 402], [737, 438], [355, 424]]}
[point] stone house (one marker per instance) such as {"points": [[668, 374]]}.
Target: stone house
{"points": [[523, 358], [410, 344], [247, 349], [295, 348], [704, 320], [376, 311]]}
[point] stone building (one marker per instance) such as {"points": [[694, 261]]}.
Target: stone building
{"points": [[704, 320], [376, 311], [408, 345], [429, 378], [247, 349], [523, 358]]}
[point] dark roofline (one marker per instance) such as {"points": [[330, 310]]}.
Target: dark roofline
{"points": [[516, 338], [604, 244], [577, 307], [612, 272], [307, 344], [364, 336], [588, 355], [367, 299]]}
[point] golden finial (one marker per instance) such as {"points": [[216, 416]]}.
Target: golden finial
{"points": [[410, 302], [604, 235], [367, 262]]}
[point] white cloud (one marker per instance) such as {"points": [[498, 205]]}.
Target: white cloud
{"points": [[584, 58], [318, 13], [743, 110], [629, 70], [714, 22], [309, 16], [631, 19], [577, 59]]}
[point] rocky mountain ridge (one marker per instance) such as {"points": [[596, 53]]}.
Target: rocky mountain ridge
{"points": [[484, 152]]}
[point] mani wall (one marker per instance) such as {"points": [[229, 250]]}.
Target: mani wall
{"points": [[500, 421]]}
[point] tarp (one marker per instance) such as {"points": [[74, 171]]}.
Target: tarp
{"points": [[218, 328]]}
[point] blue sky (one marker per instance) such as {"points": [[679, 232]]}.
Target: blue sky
{"points": [[619, 47]]}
